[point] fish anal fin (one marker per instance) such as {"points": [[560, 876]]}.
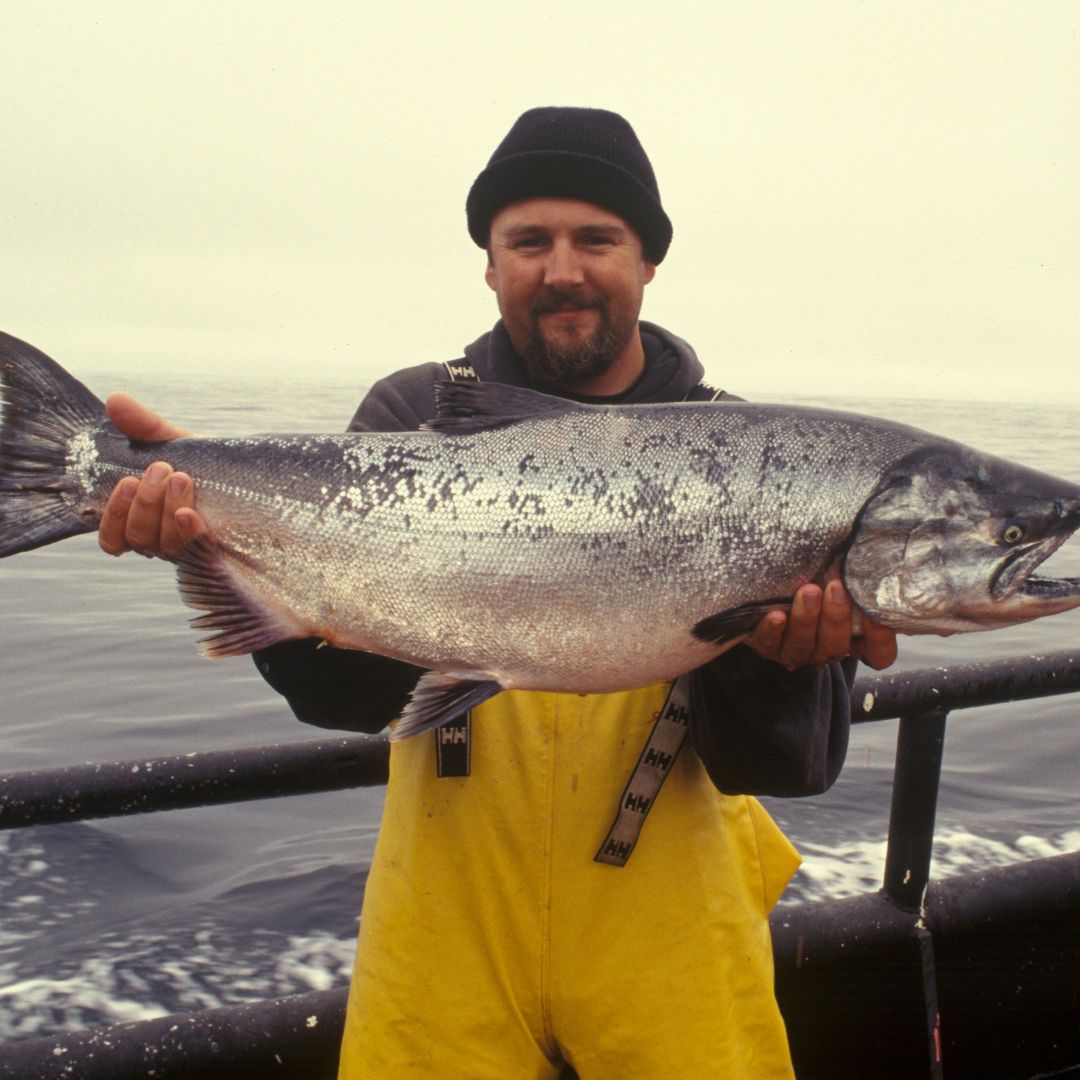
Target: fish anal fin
{"points": [[726, 626], [439, 698], [240, 618]]}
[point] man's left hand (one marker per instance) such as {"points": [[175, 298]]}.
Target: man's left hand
{"points": [[818, 631]]}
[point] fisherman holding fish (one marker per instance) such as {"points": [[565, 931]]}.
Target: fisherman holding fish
{"points": [[579, 879], [596, 601]]}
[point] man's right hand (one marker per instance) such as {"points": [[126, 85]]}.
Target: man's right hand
{"points": [[153, 514]]}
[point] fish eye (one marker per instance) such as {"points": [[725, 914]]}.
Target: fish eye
{"points": [[1012, 534]]}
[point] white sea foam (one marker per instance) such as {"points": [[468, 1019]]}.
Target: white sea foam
{"points": [[850, 869], [148, 976]]}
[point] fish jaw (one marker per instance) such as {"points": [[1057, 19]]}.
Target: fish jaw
{"points": [[950, 541], [1021, 592], [1016, 573]]}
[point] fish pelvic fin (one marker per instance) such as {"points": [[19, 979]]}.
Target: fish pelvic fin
{"points": [[439, 698], [467, 407], [241, 619], [42, 408], [730, 625]]}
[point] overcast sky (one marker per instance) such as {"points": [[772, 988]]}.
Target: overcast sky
{"points": [[867, 197]]}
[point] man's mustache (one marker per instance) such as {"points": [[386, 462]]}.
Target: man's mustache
{"points": [[556, 300]]}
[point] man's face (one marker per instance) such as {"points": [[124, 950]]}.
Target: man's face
{"points": [[569, 278]]}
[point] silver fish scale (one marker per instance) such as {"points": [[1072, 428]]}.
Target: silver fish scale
{"points": [[579, 548]]}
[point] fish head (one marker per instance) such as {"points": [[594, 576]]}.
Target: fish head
{"points": [[950, 539]]}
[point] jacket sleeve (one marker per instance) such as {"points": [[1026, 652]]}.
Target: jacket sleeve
{"points": [[337, 688], [760, 729], [341, 688]]}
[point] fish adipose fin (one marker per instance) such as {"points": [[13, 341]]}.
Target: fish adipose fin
{"points": [[466, 407], [738, 622], [43, 409], [242, 620], [439, 698]]}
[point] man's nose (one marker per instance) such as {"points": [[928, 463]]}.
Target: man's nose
{"points": [[563, 267]]}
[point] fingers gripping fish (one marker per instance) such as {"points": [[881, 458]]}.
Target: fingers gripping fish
{"points": [[524, 541]]}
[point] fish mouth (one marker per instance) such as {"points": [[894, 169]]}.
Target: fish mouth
{"points": [[1015, 578]]}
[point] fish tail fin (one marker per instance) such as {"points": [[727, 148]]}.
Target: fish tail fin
{"points": [[42, 408]]}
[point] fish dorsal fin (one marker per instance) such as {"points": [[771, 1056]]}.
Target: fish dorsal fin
{"points": [[465, 407]]}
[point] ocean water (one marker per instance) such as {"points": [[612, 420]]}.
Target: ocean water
{"points": [[133, 918]]}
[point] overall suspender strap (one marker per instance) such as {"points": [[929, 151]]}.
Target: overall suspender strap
{"points": [[452, 747], [662, 748], [705, 392], [453, 739]]}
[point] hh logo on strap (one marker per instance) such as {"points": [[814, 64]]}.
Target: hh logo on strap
{"points": [[452, 746], [460, 371], [662, 748]]}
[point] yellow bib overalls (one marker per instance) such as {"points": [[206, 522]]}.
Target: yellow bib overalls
{"points": [[493, 946]]}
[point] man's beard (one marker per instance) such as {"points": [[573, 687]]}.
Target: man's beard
{"points": [[579, 358]]}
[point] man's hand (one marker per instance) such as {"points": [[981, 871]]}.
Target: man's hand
{"points": [[818, 630], [153, 514]]}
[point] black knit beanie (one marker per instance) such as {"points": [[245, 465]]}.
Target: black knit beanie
{"points": [[587, 154]]}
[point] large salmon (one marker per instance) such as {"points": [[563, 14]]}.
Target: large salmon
{"points": [[532, 542]]}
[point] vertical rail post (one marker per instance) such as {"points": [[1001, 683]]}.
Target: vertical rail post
{"points": [[920, 742]]}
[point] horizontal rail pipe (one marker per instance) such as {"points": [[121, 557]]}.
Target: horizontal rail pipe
{"points": [[826, 931], [889, 695], [295, 1037], [206, 778], [110, 789]]}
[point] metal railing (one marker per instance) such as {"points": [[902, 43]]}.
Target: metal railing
{"points": [[181, 781], [921, 700]]}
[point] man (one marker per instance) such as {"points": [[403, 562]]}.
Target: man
{"points": [[528, 906]]}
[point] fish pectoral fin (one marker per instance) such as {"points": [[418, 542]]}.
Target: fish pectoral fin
{"points": [[738, 622], [439, 698], [241, 618]]}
